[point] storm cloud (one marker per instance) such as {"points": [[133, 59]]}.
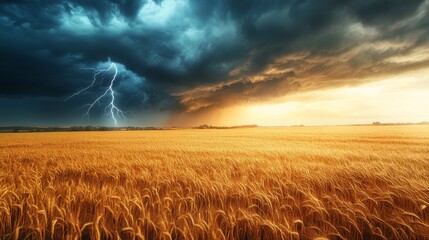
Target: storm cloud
{"points": [[189, 55]]}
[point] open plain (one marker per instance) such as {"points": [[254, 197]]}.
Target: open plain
{"points": [[354, 182]]}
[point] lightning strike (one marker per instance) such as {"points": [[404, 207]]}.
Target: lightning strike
{"points": [[115, 112]]}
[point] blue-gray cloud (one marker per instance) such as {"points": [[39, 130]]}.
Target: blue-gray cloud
{"points": [[186, 55]]}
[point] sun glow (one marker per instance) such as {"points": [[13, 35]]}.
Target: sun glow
{"points": [[399, 99]]}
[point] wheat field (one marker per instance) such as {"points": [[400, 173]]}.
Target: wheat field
{"points": [[357, 182]]}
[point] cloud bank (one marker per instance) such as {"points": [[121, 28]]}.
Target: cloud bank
{"points": [[188, 55]]}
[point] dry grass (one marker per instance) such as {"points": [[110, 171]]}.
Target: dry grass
{"points": [[269, 183]]}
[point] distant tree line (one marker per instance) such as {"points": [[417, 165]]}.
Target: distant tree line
{"points": [[205, 126], [73, 129]]}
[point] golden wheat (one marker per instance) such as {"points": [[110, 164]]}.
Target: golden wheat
{"points": [[269, 183]]}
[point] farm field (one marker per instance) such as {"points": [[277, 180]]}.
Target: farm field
{"points": [[354, 182]]}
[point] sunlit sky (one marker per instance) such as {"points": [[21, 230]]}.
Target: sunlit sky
{"points": [[400, 99], [187, 63]]}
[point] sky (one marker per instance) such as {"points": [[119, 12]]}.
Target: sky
{"points": [[226, 62]]}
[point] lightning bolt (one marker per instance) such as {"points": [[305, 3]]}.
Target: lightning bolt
{"points": [[115, 112]]}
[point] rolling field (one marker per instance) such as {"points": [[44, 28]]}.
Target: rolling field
{"points": [[257, 183]]}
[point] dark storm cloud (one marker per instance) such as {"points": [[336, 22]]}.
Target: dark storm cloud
{"points": [[227, 94], [187, 55]]}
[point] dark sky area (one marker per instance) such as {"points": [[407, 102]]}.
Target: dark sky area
{"points": [[190, 56]]}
